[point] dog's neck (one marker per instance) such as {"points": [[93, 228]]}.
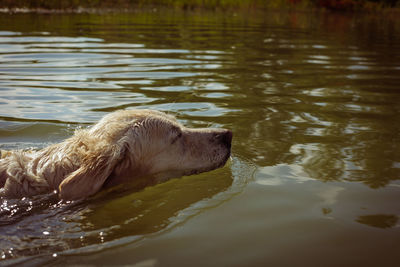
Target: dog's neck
{"points": [[53, 165]]}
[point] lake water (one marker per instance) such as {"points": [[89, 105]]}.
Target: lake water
{"points": [[313, 101]]}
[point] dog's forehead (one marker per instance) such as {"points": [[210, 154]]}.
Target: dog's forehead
{"points": [[161, 115], [143, 115], [138, 114]]}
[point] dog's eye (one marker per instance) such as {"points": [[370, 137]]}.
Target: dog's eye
{"points": [[177, 136]]}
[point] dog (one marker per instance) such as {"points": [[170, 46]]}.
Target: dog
{"points": [[124, 146]]}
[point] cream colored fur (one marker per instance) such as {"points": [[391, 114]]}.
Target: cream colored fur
{"points": [[123, 146]]}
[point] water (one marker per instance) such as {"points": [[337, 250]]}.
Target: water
{"points": [[312, 99]]}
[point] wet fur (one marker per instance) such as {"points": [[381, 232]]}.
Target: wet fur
{"points": [[123, 146]]}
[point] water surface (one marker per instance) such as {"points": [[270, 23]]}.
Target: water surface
{"points": [[312, 99]]}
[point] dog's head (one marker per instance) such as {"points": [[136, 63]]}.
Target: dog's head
{"points": [[135, 143]]}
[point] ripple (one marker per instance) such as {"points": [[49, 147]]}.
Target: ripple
{"points": [[193, 109], [169, 88], [46, 39], [60, 78], [80, 227], [217, 95]]}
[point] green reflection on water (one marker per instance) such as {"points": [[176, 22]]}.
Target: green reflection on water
{"points": [[379, 220]]}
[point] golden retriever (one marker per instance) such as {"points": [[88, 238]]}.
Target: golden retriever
{"points": [[123, 146]]}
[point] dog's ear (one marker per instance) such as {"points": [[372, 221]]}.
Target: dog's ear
{"points": [[89, 178], [97, 165], [3, 173]]}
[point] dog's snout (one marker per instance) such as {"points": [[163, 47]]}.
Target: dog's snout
{"points": [[224, 137]]}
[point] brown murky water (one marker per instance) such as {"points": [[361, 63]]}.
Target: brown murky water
{"points": [[312, 99]]}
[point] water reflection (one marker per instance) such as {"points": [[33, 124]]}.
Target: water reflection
{"points": [[308, 97], [51, 71], [43, 226], [379, 220], [333, 113]]}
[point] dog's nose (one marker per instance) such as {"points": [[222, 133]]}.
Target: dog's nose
{"points": [[225, 137]]}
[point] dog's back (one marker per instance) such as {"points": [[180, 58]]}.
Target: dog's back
{"points": [[3, 166], [15, 179]]}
